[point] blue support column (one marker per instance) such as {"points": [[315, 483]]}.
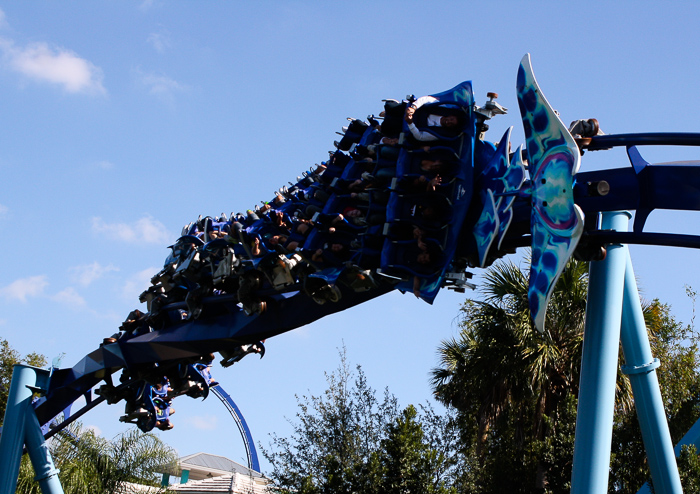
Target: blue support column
{"points": [[12, 440], [21, 425], [640, 366], [601, 342], [38, 450]]}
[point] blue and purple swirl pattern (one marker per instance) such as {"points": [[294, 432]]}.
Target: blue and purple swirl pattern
{"points": [[556, 222], [498, 183]]}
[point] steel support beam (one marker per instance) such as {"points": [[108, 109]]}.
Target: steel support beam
{"points": [[640, 366], [601, 343], [21, 427]]}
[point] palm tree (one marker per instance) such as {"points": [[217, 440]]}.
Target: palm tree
{"points": [[501, 366], [91, 464]]}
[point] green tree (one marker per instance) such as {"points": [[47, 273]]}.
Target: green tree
{"points": [[407, 460], [512, 385], [348, 440], [91, 464], [676, 347], [516, 390], [335, 432]]}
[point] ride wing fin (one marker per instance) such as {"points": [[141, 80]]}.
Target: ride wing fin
{"points": [[556, 221]]}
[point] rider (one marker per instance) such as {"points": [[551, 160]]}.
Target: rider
{"points": [[160, 394], [426, 112]]}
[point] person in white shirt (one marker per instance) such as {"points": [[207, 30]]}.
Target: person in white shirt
{"points": [[429, 119]]}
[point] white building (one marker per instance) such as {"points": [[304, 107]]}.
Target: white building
{"points": [[205, 473]]}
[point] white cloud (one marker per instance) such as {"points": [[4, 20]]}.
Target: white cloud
{"points": [[160, 41], [138, 283], [70, 298], [59, 66], [145, 230], [84, 275], [3, 210], [3, 19], [161, 86], [149, 4], [25, 287], [103, 165], [203, 422], [96, 430]]}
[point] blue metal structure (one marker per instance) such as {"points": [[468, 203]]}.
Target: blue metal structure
{"points": [[251, 452], [614, 314], [22, 428], [594, 422], [409, 202]]}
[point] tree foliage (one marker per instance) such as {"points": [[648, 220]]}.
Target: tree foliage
{"points": [[676, 346], [349, 440], [512, 397], [91, 464], [516, 390], [509, 382]]}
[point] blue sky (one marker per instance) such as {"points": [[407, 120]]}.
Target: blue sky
{"points": [[123, 121]]}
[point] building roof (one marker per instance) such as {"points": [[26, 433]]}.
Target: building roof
{"points": [[131, 488], [205, 465], [232, 483]]}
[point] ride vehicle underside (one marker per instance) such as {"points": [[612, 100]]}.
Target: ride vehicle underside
{"points": [[407, 204]]}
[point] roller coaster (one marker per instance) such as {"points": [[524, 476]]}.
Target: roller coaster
{"points": [[409, 200]]}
